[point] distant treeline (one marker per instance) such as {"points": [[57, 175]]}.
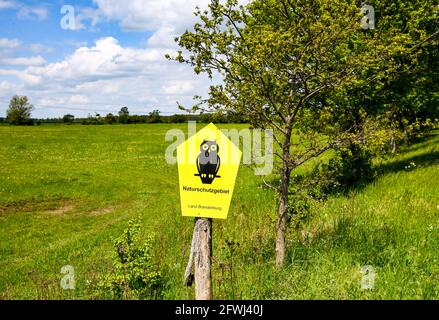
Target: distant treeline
{"points": [[125, 118]]}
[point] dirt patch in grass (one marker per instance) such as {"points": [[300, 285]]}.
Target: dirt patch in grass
{"points": [[61, 210], [54, 205], [101, 211]]}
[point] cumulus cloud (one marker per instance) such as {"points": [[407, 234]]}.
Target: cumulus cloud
{"points": [[107, 59], [25, 11], [178, 87], [39, 48], [93, 16], [25, 61], [6, 43], [37, 13], [6, 87], [7, 4], [150, 15], [76, 100], [167, 19], [79, 99]]}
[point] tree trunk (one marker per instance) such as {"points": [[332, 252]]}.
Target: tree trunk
{"points": [[203, 256], [393, 144], [406, 136], [281, 227]]}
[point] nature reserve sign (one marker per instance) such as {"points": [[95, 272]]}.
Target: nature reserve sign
{"points": [[208, 164]]}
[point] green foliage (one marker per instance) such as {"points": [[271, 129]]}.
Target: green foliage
{"points": [[227, 257], [349, 168], [93, 120], [299, 207], [110, 118], [68, 119], [416, 128], [19, 111], [404, 87], [134, 274], [154, 117], [124, 115]]}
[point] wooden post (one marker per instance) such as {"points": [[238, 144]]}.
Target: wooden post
{"points": [[200, 260], [203, 281]]}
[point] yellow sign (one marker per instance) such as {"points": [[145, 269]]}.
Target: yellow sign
{"points": [[208, 164]]}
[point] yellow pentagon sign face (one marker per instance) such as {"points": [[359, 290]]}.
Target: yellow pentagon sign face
{"points": [[208, 164]]}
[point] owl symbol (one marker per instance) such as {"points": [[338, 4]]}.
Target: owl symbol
{"points": [[208, 162]]}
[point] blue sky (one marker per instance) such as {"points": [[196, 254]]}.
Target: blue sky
{"points": [[112, 56]]}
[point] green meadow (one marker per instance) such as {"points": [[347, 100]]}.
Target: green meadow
{"points": [[67, 191]]}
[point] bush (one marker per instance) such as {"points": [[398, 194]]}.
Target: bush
{"points": [[299, 208], [134, 274], [350, 167]]}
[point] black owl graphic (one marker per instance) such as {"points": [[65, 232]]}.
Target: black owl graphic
{"points": [[208, 162]]}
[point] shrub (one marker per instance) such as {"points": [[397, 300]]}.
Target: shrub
{"points": [[350, 167], [134, 274], [299, 208], [68, 119]]}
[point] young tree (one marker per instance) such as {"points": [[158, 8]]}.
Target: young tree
{"points": [[110, 118], [19, 111], [124, 115], [68, 119], [154, 117], [277, 58]]}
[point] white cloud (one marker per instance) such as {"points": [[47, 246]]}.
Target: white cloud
{"points": [[166, 18], [51, 102], [76, 100], [9, 72], [107, 59], [39, 48], [7, 4], [29, 78], [163, 38], [76, 44], [38, 13], [94, 16], [24, 61], [6, 43], [25, 11], [79, 99], [150, 15], [6, 87], [178, 87]]}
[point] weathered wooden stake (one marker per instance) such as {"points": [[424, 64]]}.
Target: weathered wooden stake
{"points": [[200, 260]]}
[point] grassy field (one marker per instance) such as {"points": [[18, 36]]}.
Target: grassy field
{"points": [[67, 191]]}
